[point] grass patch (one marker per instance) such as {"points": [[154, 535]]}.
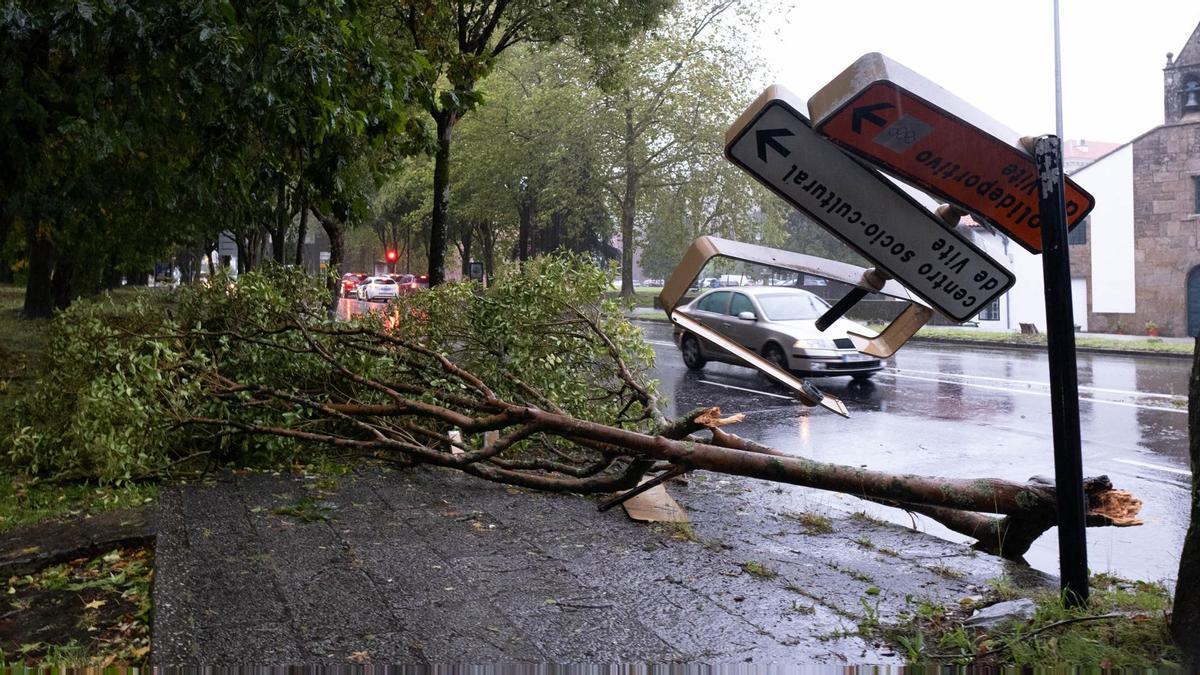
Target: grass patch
{"points": [[757, 569], [1123, 626], [813, 523], [305, 509], [1156, 345], [25, 503], [946, 572]]}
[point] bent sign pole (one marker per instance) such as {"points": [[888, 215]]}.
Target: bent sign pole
{"points": [[774, 142], [1064, 384], [926, 136]]}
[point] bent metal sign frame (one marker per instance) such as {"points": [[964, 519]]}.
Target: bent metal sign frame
{"points": [[775, 143]]}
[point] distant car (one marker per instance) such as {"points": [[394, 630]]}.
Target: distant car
{"points": [[779, 324], [350, 283], [378, 288], [420, 281]]}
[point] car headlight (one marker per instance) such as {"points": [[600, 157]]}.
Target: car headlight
{"points": [[814, 343]]}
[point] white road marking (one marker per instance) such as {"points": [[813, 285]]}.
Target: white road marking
{"points": [[1032, 393], [752, 391], [1173, 397], [1158, 467]]}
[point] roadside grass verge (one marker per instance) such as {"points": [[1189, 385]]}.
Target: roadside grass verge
{"points": [[991, 337], [24, 502], [1125, 625]]}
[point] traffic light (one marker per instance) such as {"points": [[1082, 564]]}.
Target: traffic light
{"points": [[392, 255]]}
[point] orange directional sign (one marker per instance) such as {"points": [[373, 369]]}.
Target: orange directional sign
{"points": [[925, 135]]}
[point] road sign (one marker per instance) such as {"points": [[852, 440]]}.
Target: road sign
{"points": [[925, 135], [774, 142]]}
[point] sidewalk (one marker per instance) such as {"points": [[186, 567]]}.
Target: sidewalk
{"points": [[432, 566]]}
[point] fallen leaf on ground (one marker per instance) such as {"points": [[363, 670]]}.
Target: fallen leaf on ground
{"points": [[359, 657], [95, 604]]}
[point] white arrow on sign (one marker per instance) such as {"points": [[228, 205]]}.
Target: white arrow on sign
{"points": [[775, 143]]}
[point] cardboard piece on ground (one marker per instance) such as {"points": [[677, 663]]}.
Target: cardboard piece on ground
{"points": [[655, 506]]}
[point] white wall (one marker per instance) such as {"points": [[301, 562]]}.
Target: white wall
{"points": [[1111, 182]]}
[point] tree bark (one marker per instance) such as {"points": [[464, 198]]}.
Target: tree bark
{"points": [[61, 282], [302, 231], [337, 250], [628, 207], [525, 211], [38, 303], [6, 274], [279, 233], [1185, 619], [441, 197]]}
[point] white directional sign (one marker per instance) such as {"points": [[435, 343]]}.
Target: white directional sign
{"points": [[775, 143]]}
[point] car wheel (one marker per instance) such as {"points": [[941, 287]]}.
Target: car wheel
{"points": [[692, 357], [775, 355], [862, 377]]}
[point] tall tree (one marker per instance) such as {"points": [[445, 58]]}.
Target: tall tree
{"points": [[668, 100], [461, 42]]}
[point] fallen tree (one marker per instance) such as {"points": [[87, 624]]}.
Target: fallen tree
{"points": [[536, 382]]}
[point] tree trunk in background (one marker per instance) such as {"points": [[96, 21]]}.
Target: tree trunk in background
{"points": [[303, 230], [628, 207], [1185, 619], [6, 275], [279, 233], [38, 303], [525, 211], [337, 250], [468, 235], [60, 284], [441, 197]]}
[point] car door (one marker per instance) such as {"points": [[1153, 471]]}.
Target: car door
{"points": [[742, 331], [710, 311]]}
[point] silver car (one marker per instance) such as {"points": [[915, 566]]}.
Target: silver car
{"points": [[778, 323]]}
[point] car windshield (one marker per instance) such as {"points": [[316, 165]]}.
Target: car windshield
{"points": [[385, 281], [792, 306]]}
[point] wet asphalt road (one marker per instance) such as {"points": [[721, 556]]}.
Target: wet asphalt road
{"points": [[970, 412]]}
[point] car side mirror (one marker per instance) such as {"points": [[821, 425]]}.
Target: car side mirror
{"points": [[747, 316]]}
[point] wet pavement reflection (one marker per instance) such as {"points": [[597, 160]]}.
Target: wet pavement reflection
{"points": [[967, 412]]}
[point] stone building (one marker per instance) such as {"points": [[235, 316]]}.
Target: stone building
{"points": [[1138, 255]]}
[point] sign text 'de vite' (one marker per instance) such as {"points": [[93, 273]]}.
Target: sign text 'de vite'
{"points": [[774, 143], [910, 127]]}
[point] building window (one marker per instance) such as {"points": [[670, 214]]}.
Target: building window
{"points": [[1196, 189], [992, 311], [1079, 234]]}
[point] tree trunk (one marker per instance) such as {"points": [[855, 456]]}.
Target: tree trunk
{"points": [[337, 247], [628, 207], [1185, 619], [303, 230], [279, 234], [60, 284], [466, 237], [441, 197], [525, 211], [6, 274], [38, 304]]}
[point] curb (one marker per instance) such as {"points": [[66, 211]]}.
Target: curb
{"points": [[1002, 345]]}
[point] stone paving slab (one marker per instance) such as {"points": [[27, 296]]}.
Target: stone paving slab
{"points": [[429, 566]]}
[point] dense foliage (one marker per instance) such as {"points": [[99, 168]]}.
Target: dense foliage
{"points": [[131, 391]]}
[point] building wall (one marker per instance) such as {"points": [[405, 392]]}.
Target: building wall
{"points": [[1106, 261], [1166, 226]]}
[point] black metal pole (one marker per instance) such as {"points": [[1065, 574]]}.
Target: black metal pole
{"points": [[1064, 383]]}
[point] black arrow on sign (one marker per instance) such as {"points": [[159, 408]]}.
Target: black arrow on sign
{"points": [[766, 137], [867, 112]]}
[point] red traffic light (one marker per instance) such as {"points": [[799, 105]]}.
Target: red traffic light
{"points": [[391, 255]]}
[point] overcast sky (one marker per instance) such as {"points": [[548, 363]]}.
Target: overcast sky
{"points": [[999, 56]]}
